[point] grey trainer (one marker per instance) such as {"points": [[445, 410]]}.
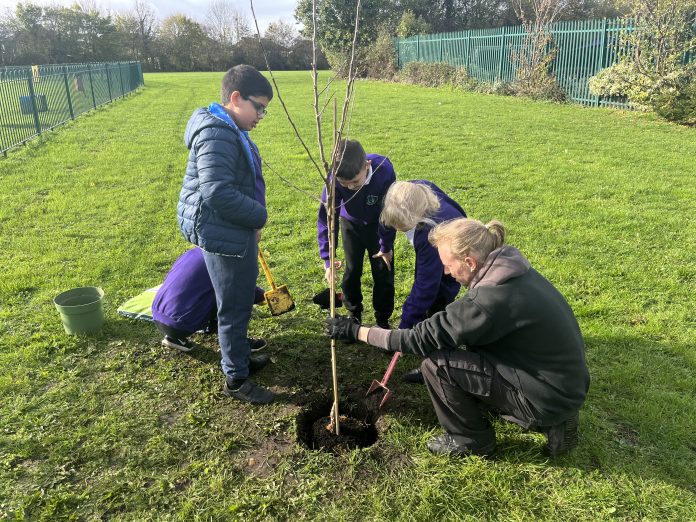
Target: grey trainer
{"points": [[250, 392]]}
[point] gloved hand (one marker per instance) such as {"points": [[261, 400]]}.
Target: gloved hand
{"points": [[342, 328]]}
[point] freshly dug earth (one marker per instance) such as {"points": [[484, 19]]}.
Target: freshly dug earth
{"points": [[357, 427], [354, 434]]}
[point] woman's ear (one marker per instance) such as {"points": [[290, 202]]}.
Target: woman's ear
{"points": [[471, 263]]}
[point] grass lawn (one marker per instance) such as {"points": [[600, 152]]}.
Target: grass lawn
{"points": [[113, 426]]}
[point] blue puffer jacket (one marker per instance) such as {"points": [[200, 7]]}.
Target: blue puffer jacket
{"points": [[217, 210]]}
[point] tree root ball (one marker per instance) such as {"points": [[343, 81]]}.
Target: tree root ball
{"points": [[357, 426]]}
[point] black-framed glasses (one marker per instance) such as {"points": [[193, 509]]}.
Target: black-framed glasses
{"points": [[259, 107]]}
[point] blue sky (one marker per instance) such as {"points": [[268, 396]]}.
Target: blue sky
{"points": [[266, 10]]}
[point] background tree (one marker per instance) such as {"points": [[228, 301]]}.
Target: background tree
{"points": [[146, 32], [183, 44], [248, 50], [226, 25], [410, 25], [336, 23], [535, 55], [282, 33], [31, 43], [300, 56]]}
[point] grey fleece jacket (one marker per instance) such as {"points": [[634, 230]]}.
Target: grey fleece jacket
{"points": [[517, 320]]}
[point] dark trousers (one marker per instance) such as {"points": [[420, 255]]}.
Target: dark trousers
{"points": [[178, 333], [357, 239], [234, 281], [463, 385], [174, 333]]}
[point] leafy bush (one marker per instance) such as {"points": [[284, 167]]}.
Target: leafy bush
{"points": [[440, 74], [428, 74], [498, 88], [462, 80], [537, 82], [653, 73], [380, 59], [672, 96], [677, 101], [545, 88]]}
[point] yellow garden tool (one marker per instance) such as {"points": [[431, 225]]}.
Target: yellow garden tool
{"points": [[278, 297]]}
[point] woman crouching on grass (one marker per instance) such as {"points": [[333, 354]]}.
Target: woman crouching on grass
{"points": [[510, 345]]}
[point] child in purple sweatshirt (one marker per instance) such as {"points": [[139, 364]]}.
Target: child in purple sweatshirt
{"points": [[362, 180], [185, 303], [415, 207]]}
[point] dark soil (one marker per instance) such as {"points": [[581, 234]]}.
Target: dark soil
{"points": [[357, 427]]}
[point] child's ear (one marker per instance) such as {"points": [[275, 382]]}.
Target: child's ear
{"points": [[235, 99]]}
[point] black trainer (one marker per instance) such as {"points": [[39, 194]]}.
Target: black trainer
{"points": [[447, 444], [249, 392], [414, 376], [257, 344], [562, 437], [384, 324], [258, 361], [183, 345]]}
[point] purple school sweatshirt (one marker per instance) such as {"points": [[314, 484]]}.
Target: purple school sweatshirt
{"points": [[363, 209], [186, 299], [430, 282]]}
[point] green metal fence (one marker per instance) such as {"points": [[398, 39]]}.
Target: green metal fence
{"points": [[38, 98], [582, 49]]}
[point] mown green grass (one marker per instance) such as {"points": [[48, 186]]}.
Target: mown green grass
{"points": [[115, 427]]}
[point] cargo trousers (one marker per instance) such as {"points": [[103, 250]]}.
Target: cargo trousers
{"points": [[464, 386]]}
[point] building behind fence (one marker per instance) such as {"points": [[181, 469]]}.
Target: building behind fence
{"points": [[38, 98], [582, 49]]}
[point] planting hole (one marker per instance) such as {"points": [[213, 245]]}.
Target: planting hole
{"points": [[357, 425]]}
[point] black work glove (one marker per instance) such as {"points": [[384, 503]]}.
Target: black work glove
{"points": [[342, 328]]}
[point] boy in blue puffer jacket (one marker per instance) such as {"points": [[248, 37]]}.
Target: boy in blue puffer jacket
{"points": [[222, 209]]}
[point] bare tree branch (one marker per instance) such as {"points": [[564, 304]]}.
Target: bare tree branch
{"points": [[315, 74], [280, 98], [288, 183]]}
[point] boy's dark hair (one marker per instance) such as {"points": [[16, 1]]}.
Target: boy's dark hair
{"points": [[350, 159], [247, 80]]}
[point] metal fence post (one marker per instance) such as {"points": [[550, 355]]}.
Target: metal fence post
{"points": [[602, 54], [91, 85], [108, 81], [417, 48], [120, 75], [502, 52], [442, 58], [34, 109], [67, 91], [468, 51], [398, 54]]}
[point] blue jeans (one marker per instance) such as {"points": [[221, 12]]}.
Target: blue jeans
{"points": [[234, 281]]}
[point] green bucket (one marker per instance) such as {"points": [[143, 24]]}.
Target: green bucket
{"points": [[81, 309]]}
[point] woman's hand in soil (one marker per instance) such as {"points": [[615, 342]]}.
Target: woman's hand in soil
{"points": [[342, 328]]}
